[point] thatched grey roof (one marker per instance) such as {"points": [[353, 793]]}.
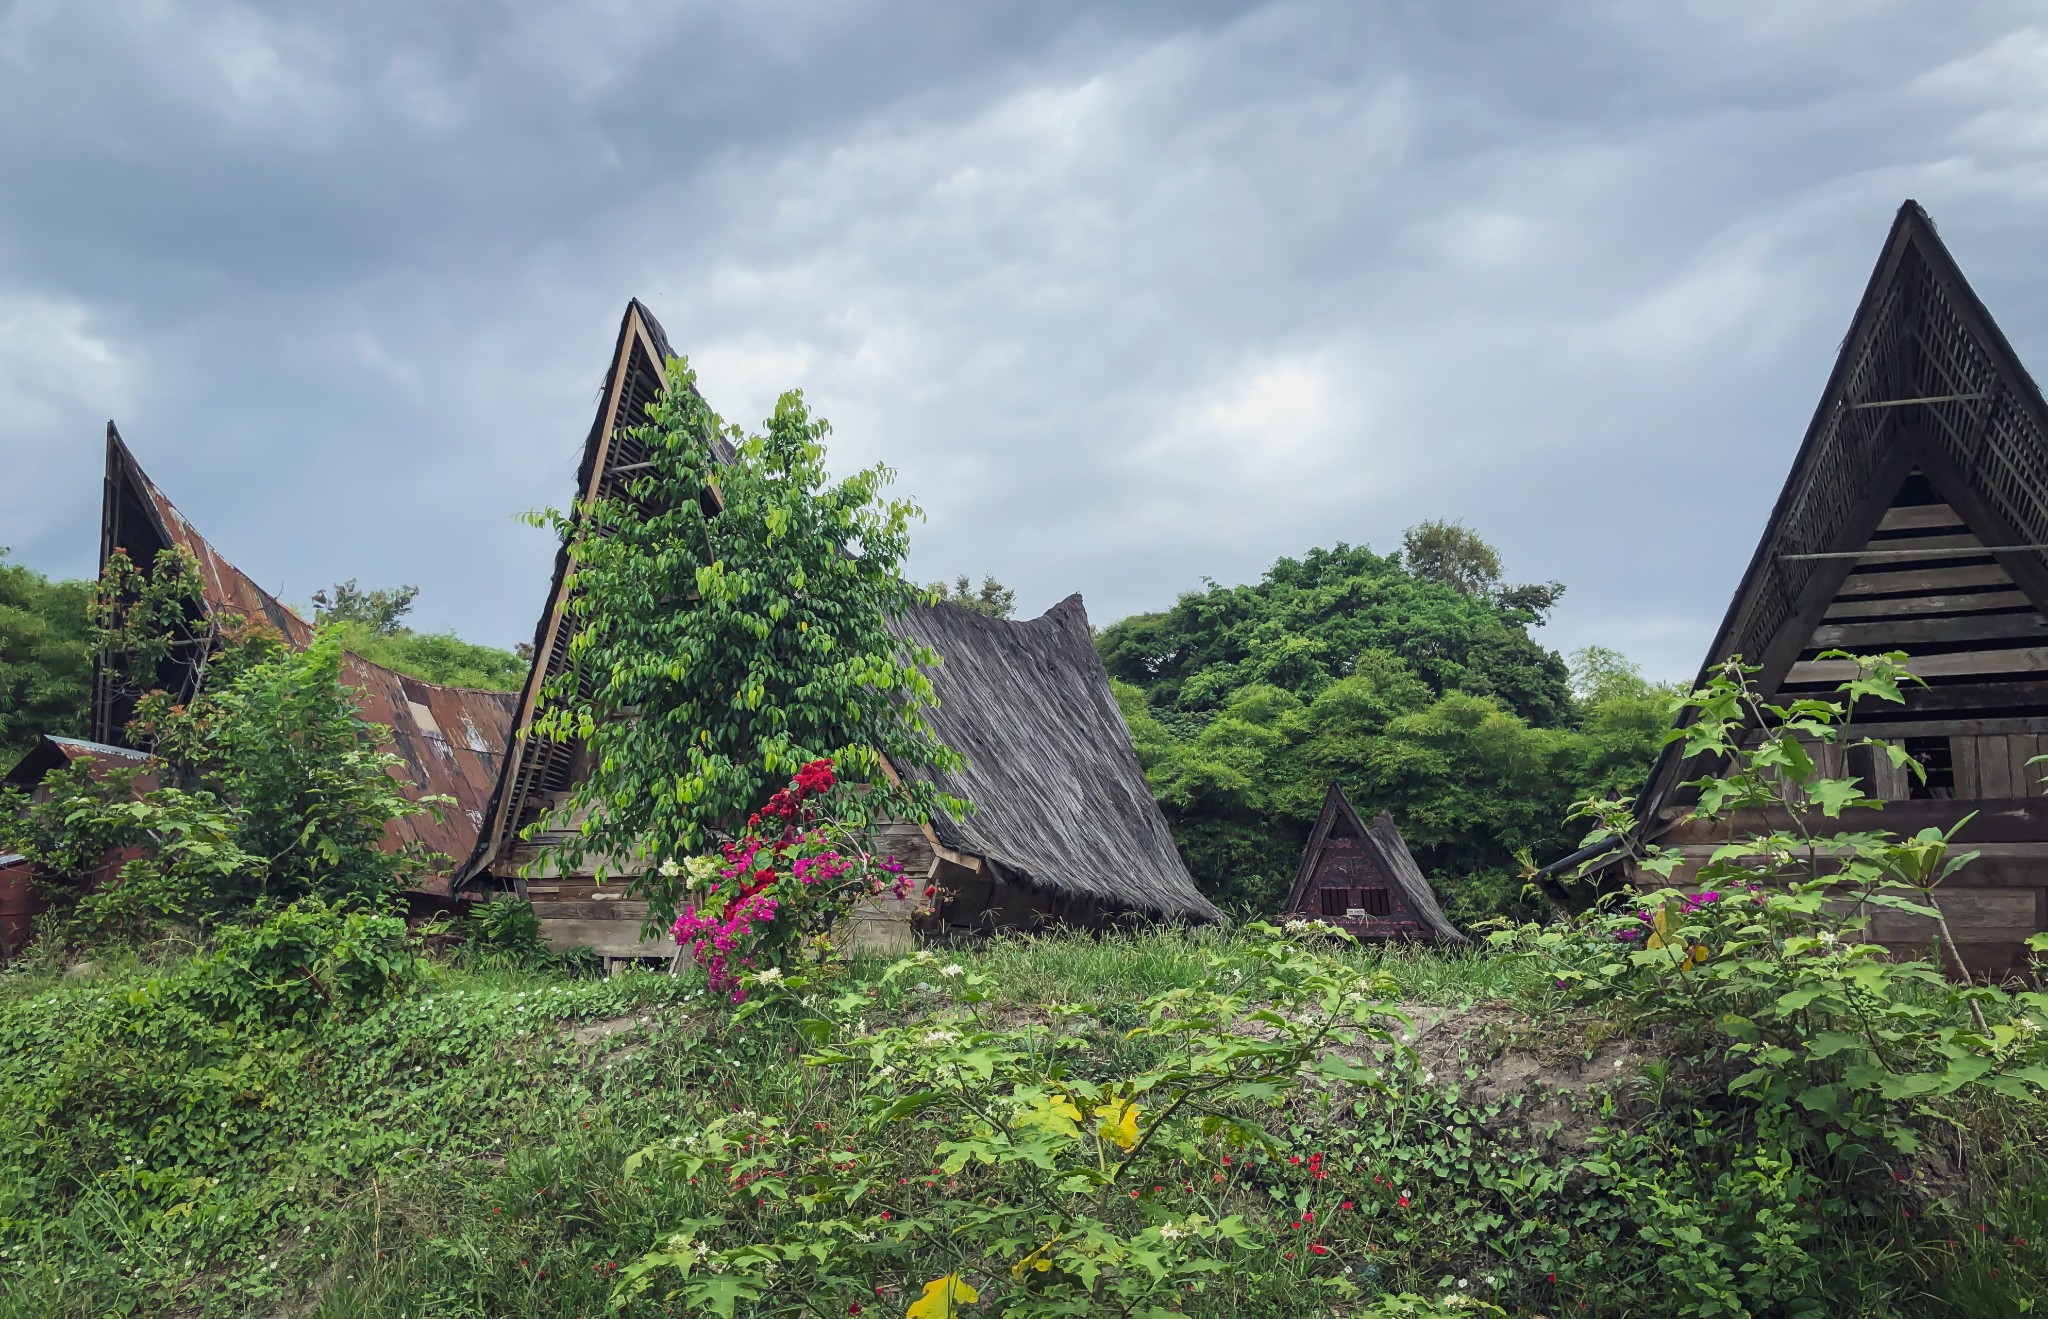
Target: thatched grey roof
{"points": [[1060, 800]]}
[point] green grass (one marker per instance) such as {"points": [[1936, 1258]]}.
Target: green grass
{"points": [[458, 1154], [1113, 967]]}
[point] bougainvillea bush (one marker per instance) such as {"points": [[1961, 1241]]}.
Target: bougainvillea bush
{"points": [[793, 872]]}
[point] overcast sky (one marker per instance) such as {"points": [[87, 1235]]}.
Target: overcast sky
{"points": [[1130, 294]]}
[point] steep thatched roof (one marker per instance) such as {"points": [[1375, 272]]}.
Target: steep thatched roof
{"points": [[1063, 802], [1060, 801]]}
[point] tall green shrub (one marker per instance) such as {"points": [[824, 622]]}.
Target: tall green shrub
{"points": [[732, 626]]}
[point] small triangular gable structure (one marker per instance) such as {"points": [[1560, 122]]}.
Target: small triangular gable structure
{"points": [[1364, 879], [1065, 831], [451, 739], [1915, 518]]}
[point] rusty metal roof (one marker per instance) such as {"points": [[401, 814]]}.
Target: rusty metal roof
{"points": [[451, 740]]}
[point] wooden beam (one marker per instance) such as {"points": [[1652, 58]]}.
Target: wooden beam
{"points": [[1925, 579], [1962, 540], [2024, 696], [2011, 820], [1893, 729], [1929, 604], [1918, 517], [2020, 659], [1906, 632]]}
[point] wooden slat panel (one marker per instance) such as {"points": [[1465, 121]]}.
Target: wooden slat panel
{"points": [[1975, 914], [2002, 822], [1994, 768], [631, 913], [1925, 579], [1894, 781], [1963, 754], [2020, 659], [607, 938], [2026, 779], [1915, 517], [1963, 699], [1942, 726], [1906, 632], [1912, 605], [1965, 541]]}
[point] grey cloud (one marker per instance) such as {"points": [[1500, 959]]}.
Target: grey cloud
{"points": [[1129, 294]]}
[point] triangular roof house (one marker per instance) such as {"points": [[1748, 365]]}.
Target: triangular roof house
{"points": [[451, 739], [1915, 518], [1065, 828], [1364, 879]]}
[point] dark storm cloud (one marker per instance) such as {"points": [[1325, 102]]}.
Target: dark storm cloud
{"points": [[1129, 294]]}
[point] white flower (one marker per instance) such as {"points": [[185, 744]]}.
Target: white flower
{"points": [[940, 1037], [770, 976], [1171, 1232], [2025, 1024], [953, 969], [1464, 1282], [669, 869]]}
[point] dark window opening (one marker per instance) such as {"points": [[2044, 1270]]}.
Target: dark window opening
{"points": [[1938, 760], [1336, 901], [1376, 901]]}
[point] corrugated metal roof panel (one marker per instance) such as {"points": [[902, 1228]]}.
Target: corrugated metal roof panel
{"points": [[419, 714]]}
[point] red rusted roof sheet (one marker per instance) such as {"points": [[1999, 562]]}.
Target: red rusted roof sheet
{"points": [[451, 740]]}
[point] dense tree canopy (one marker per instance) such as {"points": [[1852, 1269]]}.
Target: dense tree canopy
{"points": [[45, 658], [1306, 623], [1420, 697], [372, 624]]}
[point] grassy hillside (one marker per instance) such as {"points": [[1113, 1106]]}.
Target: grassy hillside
{"points": [[176, 1138]]}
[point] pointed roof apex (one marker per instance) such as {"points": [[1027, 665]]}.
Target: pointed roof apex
{"points": [[1925, 380]]}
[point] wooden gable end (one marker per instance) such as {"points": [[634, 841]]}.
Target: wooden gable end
{"points": [[1347, 879]]}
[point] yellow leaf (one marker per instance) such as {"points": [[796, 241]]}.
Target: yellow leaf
{"points": [[1039, 1259], [1118, 1121], [942, 1299], [1662, 925]]}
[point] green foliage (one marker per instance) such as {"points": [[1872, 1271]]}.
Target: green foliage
{"points": [[1855, 1041], [268, 785], [462, 1148], [733, 625], [1417, 695], [45, 658], [371, 623], [505, 932], [440, 657], [993, 598], [378, 611], [1060, 1172], [1309, 621]]}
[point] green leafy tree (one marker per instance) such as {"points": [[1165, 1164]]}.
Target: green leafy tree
{"points": [[993, 598], [380, 611], [1454, 554], [439, 657], [733, 624], [1417, 696], [1306, 622], [371, 623], [263, 784], [45, 657]]}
